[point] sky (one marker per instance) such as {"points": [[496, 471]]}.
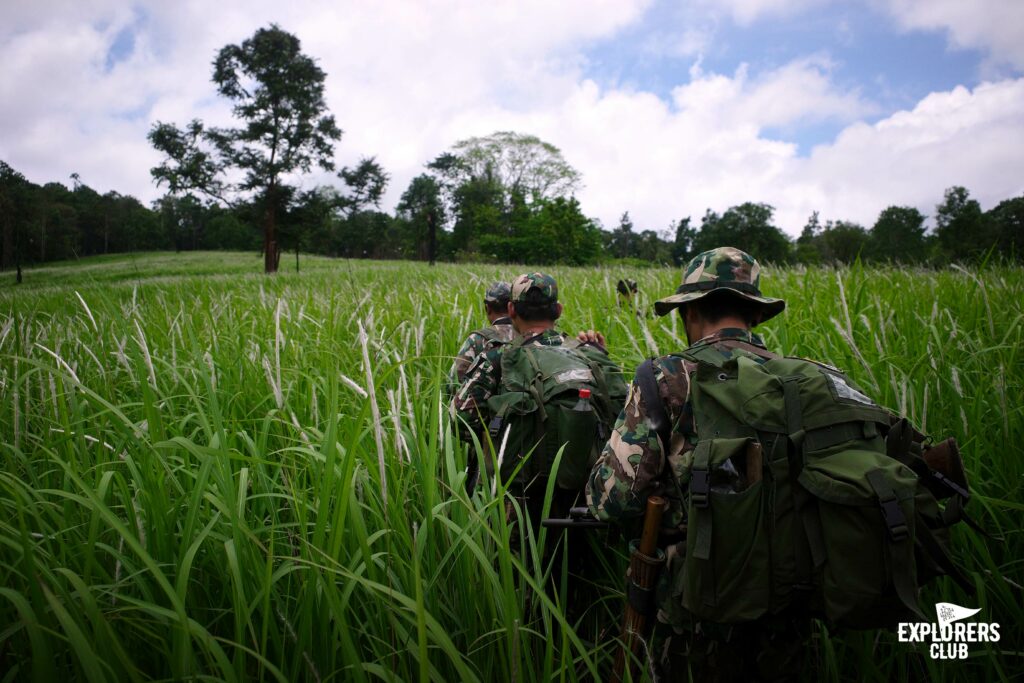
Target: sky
{"points": [[667, 109]]}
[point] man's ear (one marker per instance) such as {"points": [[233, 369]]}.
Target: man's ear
{"points": [[511, 310], [558, 311]]}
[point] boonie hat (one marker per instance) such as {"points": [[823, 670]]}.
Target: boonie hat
{"points": [[725, 269]]}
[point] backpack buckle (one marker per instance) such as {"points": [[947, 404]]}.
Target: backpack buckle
{"points": [[894, 518], [494, 428], [699, 488]]}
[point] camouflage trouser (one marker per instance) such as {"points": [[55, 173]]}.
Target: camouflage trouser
{"points": [[769, 649]]}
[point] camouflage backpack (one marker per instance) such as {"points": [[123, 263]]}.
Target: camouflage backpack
{"points": [[534, 411], [803, 494]]}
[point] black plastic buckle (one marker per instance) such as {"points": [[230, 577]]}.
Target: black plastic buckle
{"points": [[894, 519], [495, 426], [699, 488]]}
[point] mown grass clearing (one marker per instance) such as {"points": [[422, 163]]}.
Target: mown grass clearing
{"points": [[194, 483]]}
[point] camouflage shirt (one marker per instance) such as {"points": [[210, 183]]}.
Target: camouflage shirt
{"points": [[478, 342], [633, 463], [483, 379]]}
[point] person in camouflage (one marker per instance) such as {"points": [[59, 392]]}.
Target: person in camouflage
{"points": [[500, 331], [720, 302], [533, 309]]}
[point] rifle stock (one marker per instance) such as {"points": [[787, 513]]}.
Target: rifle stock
{"points": [[644, 566]]}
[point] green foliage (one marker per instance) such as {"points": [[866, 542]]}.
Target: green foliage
{"points": [[842, 242], [191, 484], [748, 227], [277, 93], [898, 235], [960, 227]]}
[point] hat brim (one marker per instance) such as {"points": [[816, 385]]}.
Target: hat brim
{"points": [[770, 307]]}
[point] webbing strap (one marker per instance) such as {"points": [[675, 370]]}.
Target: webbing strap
{"points": [[700, 499], [648, 386], [641, 599], [926, 540], [826, 437], [794, 411], [811, 555], [901, 555], [892, 513]]}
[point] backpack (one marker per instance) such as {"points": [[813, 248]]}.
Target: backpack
{"points": [[534, 405], [804, 495]]}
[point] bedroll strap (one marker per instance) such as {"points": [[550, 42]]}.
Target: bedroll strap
{"points": [[699, 496], [904, 579]]}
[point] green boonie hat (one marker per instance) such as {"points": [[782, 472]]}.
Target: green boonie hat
{"points": [[541, 282], [498, 293], [725, 269]]}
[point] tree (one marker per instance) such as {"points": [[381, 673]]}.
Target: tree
{"points": [[1007, 221], [420, 205], [278, 94], [623, 241], [366, 183], [961, 230], [842, 242], [682, 246], [807, 250], [898, 235], [519, 163], [14, 218], [748, 227]]}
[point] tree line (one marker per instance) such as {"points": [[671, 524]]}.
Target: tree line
{"points": [[505, 197]]}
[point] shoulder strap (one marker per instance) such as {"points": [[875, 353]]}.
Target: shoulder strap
{"points": [[648, 387]]}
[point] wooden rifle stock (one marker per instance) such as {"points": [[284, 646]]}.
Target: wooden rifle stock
{"points": [[644, 567]]}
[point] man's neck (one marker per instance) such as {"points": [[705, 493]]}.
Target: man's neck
{"points": [[534, 327], [708, 329]]}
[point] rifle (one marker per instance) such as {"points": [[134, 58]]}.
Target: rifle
{"points": [[579, 518], [644, 566]]}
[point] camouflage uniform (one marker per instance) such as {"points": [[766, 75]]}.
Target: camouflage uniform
{"points": [[479, 342], [498, 332], [636, 464], [483, 377]]}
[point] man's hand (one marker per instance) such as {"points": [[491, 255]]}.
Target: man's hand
{"points": [[591, 337]]}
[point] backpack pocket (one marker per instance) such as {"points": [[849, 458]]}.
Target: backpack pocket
{"points": [[514, 425], [863, 539], [578, 430], [727, 572]]}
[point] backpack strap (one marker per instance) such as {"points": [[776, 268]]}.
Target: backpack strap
{"points": [[813, 553], [901, 555], [648, 386]]}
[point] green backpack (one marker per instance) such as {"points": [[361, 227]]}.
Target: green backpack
{"points": [[535, 406], [805, 495]]}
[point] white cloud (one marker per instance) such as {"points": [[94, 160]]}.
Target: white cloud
{"points": [[995, 26], [746, 12], [961, 137], [406, 80]]}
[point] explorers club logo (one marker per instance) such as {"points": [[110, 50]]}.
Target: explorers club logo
{"points": [[950, 637]]}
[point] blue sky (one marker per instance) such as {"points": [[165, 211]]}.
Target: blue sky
{"points": [[893, 68], [667, 109]]}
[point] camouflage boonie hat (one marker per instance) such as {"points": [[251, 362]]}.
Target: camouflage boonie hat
{"points": [[535, 281], [498, 293], [725, 269]]}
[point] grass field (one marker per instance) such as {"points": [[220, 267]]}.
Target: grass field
{"points": [[209, 473]]}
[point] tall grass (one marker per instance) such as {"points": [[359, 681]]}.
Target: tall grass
{"points": [[210, 473]]}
